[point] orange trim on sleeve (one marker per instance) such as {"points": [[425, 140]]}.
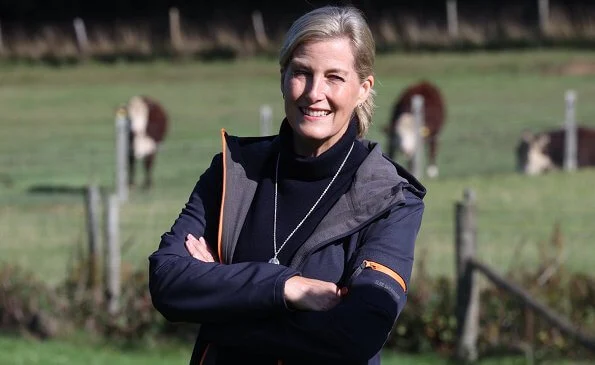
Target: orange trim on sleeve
{"points": [[388, 271], [220, 231]]}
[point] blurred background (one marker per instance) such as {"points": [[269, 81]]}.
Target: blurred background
{"points": [[504, 260]]}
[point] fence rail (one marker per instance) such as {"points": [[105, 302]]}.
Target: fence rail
{"points": [[467, 305], [552, 317]]}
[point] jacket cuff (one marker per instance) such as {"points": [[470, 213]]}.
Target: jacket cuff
{"points": [[279, 295]]}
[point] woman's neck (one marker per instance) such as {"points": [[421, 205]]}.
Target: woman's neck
{"points": [[314, 147], [310, 148]]}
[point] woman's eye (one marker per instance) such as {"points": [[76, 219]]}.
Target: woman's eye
{"points": [[335, 78]]}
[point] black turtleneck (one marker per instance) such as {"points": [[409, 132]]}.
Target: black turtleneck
{"points": [[301, 182]]}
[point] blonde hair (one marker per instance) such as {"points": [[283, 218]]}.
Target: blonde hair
{"points": [[330, 22]]}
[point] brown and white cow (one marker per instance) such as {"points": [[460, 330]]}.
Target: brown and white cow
{"points": [[544, 151], [401, 128], [148, 123]]}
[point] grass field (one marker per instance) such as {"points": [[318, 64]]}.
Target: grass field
{"points": [[57, 132], [18, 351], [30, 352]]}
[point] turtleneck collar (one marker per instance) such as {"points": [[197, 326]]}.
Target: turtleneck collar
{"points": [[325, 165]]}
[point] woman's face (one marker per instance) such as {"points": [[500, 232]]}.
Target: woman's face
{"points": [[321, 90]]}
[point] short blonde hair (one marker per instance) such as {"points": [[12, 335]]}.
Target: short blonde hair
{"points": [[330, 22]]}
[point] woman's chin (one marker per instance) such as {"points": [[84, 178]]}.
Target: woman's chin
{"points": [[312, 134]]}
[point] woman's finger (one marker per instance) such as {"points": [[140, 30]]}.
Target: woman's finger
{"points": [[193, 247], [198, 248], [206, 250], [204, 253]]}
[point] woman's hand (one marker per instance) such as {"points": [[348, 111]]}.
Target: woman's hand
{"points": [[199, 249], [311, 294]]}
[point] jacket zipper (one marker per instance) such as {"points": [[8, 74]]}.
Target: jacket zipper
{"points": [[383, 269]]}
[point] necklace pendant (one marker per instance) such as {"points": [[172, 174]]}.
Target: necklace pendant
{"points": [[274, 260]]}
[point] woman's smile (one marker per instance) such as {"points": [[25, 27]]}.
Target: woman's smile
{"points": [[321, 89]]}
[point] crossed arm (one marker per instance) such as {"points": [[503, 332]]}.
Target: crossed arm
{"points": [[246, 303], [329, 324], [300, 293]]}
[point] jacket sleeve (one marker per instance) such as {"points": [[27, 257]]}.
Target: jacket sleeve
{"points": [[184, 289], [357, 328]]}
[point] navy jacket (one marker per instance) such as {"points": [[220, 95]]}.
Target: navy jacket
{"points": [[365, 242]]}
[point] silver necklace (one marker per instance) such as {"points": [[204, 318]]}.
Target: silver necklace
{"points": [[274, 259]]}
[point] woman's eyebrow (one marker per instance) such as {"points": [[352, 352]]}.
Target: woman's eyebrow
{"points": [[296, 63]]}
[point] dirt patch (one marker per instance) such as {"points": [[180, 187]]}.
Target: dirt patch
{"points": [[573, 68]]}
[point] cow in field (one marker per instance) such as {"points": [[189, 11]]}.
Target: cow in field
{"points": [[401, 128], [544, 151], [148, 124]]}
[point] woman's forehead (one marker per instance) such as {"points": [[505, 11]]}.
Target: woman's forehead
{"points": [[336, 51]]}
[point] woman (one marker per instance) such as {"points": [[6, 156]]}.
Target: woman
{"points": [[298, 248]]}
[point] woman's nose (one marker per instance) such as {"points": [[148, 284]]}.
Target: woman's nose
{"points": [[316, 89]]}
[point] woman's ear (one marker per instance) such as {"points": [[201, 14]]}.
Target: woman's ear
{"points": [[365, 89], [282, 78]]}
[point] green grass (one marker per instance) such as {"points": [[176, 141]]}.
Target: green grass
{"points": [[21, 351], [57, 131], [18, 351]]}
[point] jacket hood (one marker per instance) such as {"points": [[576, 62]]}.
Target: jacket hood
{"points": [[373, 162]]}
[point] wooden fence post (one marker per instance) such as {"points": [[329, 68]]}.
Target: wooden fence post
{"points": [[266, 115], [122, 140], [570, 132], [92, 208], [452, 18], [175, 30], [543, 7], [417, 105], [259, 31], [467, 304], [112, 269], [81, 37]]}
